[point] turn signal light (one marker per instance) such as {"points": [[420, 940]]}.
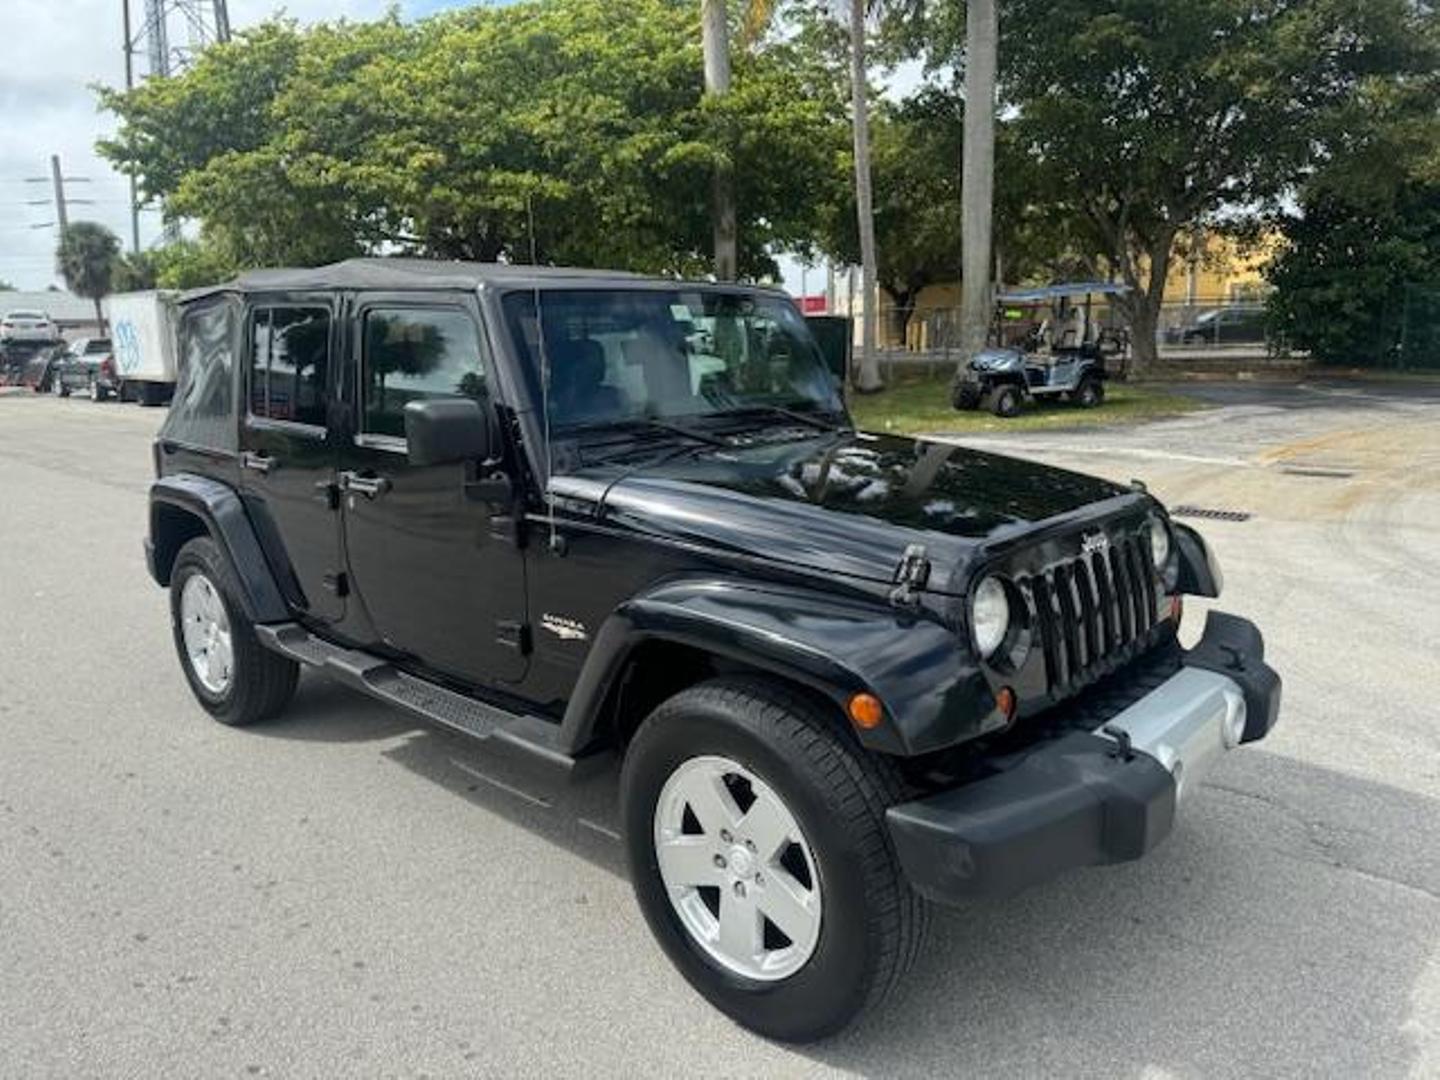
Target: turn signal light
{"points": [[866, 712], [1177, 609], [1005, 702]]}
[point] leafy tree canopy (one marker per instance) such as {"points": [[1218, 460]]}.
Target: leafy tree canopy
{"points": [[572, 128], [1135, 121]]}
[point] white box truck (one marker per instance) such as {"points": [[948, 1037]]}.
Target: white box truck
{"points": [[142, 332]]}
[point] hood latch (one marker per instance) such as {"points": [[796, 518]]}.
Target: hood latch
{"points": [[911, 575]]}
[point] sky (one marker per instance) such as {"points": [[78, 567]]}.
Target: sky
{"points": [[56, 51]]}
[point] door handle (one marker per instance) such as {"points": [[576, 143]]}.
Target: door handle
{"points": [[369, 486], [261, 463]]}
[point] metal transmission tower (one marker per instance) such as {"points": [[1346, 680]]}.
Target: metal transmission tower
{"points": [[168, 35], [171, 32]]}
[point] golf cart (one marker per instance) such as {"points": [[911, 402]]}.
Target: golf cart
{"points": [[1045, 344]]}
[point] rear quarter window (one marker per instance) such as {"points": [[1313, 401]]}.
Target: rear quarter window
{"points": [[203, 410]]}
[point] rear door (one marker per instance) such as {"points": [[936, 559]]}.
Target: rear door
{"points": [[287, 453], [439, 574]]}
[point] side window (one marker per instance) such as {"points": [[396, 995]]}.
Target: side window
{"points": [[415, 353], [290, 364], [200, 412]]}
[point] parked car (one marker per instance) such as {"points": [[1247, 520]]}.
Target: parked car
{"points": [[88, 365], [28, 326], [38, 364], [847, 674], [1222, 326]]}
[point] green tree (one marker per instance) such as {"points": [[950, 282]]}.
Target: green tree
{"points": [[1146, 118], [134, 272], [567, 131], [1341, 283], [191, 264], [85, 260]]}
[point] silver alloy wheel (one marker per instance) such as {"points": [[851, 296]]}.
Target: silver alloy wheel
{"points": [[94, 390], [737, 868], [57, 384], [206, 629]]}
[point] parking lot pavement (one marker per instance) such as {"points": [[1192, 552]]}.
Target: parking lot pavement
{"points": [[340, 893]]}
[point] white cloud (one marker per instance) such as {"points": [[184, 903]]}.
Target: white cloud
{"points": [[55, 50]]}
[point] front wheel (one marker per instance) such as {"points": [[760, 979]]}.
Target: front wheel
{"points": [[235, 678], [1005, 402], [57, 386], [1090, 393], [760, 857]]}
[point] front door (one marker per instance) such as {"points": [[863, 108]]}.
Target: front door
{"points": [[439, 579], [287, 454]]}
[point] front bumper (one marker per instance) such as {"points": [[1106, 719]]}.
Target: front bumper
{"points": [[1095, 797]]}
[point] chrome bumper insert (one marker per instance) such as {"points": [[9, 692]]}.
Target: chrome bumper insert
{"points": [[1186, 724]]}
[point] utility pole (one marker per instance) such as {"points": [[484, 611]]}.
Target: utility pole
{"points": [[977, 174], [57, 181], [130, 85]]}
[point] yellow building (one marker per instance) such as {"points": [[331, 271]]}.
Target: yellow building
{"points": [[1220, 270]]}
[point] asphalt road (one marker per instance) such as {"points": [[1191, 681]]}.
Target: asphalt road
{"points": [[341, 893]]}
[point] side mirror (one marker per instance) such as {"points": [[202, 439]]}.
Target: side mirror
{"points": [[445, 431]]}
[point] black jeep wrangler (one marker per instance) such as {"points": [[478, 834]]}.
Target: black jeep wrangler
{"points": [[574, 514]]}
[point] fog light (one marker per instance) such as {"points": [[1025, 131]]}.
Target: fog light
{"points": [[866, 712]]}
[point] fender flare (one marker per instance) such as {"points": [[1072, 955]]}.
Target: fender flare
{"points": [[220, 509], [934, 695], [1199, 571]]}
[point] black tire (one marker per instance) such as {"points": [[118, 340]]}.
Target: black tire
{"points": [[1090, 394], [872, 923], [57, 385], [262, 682], [1005, 402], [965, 394]]}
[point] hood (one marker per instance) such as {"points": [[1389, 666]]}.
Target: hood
{"points": [[848, 503]]}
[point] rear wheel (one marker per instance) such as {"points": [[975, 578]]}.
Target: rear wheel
{"points": [[760, 857], [235, 678], [1005, 401], [94, 390], [57, 385]]}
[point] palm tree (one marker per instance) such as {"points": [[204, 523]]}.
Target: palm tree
{"points": [[86, 260], [715, 44], [868, 374]]}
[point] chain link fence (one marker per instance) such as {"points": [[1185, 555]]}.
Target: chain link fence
{"points": [[1420, 329], [1187, 331]]}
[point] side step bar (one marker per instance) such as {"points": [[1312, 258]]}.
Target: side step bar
{"points": [[532, 736]]}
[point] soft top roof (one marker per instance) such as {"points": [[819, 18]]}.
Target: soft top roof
{"points": [[404, 273], [1067, 288]]}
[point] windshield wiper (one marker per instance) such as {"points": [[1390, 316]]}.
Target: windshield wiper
{"points": [[823, 421], [650, 423]]}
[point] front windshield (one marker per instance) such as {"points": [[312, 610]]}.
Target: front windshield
{"points": [[627, 355]]}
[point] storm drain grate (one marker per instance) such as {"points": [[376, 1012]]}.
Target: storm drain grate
{"points": [[1311, 470], [1209, 513]]}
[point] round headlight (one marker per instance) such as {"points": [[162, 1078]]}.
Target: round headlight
{"points": [[1159, 543], [989, 615]]}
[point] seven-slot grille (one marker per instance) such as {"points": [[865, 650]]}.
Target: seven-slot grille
{"points": [[1093, 612]]}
